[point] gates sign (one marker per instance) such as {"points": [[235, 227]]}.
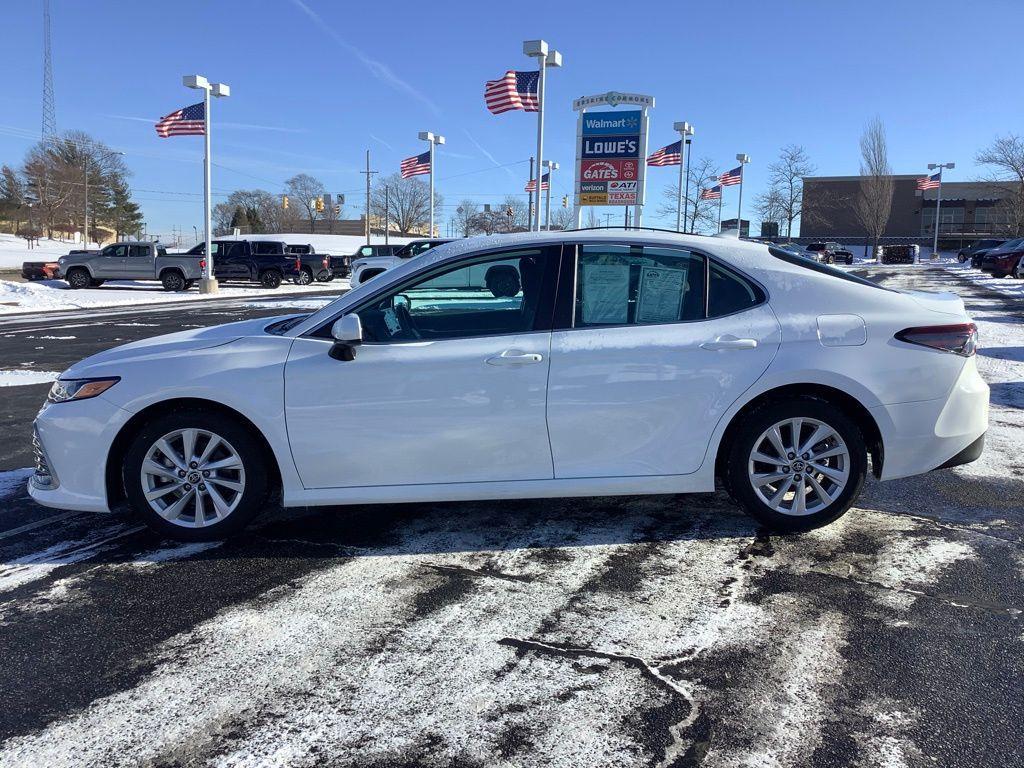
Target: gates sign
{"points": [[608, 170]]}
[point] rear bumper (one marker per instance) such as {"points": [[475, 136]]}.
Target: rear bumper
{"points": [[971, 453], [921, 436]]}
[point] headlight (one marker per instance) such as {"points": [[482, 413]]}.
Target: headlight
{"points": [[65, 390]]}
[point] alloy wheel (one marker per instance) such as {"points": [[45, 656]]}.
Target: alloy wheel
{"points": [[799, 466], [193, 478]]}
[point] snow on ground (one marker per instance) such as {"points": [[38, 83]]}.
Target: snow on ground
{"points": [[14, 250], [55, 295], [17, 378], [1008, 285]]}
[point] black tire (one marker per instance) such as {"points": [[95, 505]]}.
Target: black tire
{"points": [[750, 430], [270, 278], [305, 277], [961, 257], [189, 284], [325, 276], [78, 277], [96, 283], [173, 280], [245, 444]]}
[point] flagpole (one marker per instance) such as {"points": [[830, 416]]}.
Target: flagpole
{"points": [[679, 190], [686, 195], [720, 198], [545, 58], [938, 204], [744, 159]]}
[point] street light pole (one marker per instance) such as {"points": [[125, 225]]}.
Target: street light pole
{"points": [[551, 166], [432, 141], [545, 58], [938, 203], [685, 131], [744, 159], [208, 284]]}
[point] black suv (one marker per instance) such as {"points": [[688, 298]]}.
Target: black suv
{"points": [[977, 249], [264, 261]]}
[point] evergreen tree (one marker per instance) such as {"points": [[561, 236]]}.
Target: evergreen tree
{"points": [[122, 215]]}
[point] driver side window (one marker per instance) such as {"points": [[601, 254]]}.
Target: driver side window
{"points": [[490, 295]]}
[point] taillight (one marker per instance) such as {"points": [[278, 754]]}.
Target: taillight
{"points": [[326, 262], [960, 339], [298, 263], [202, 263]]}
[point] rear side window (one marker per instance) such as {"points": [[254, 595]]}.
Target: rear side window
{"points": [[729, 293], [637, 285]]}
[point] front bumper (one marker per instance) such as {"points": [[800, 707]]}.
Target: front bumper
{"points": [[75, 439], [925, 435]]}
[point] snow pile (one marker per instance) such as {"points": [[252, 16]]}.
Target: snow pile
{"points": [[55, 295], [20, 377]]}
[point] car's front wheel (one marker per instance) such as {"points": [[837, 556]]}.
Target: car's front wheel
{"points": [[78, 277], [271, 279], [797, 464], [195, 476]]}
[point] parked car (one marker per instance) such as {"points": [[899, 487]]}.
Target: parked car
{"points": [[264, 261], [310, 265], [365, 268], [1003, 261], [840, 253], [978, 246], [342, 265], [40, 270], [630, 362], [820, 252], [133, 260]]}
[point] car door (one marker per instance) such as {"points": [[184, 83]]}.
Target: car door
{"points": [[109, 263], [138, 263], [226, 262], [448, 386], [648, 356]]}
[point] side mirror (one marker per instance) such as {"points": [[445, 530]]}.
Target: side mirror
{"points": [[348, 334]]}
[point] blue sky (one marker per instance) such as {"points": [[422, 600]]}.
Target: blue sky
{"points": [[314, 84]]}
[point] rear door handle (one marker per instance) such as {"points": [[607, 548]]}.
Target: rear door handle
{"points": [[729, 342], [515, 357]]}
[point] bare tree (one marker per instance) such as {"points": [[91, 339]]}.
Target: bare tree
{"points": [[771, 205], [874, 198], [12, 197], [562, 218], [701, 215], [303, 191], [786, 177], [464, 216], [1005, 158], [408, 200]]}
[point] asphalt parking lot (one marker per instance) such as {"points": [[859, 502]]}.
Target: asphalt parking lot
{"points": [[637, 631]]}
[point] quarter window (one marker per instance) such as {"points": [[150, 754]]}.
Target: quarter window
{"points": [[484, 297], [637, 285], [729, 293]]}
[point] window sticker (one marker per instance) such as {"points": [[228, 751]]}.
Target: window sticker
{"points": [[605, 292], [661, 294]]}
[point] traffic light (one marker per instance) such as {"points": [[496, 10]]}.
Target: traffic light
{"points": [[337, 210], [319, 205], [284, 202], [565, 201]]}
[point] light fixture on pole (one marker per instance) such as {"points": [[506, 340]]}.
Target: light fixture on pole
{"points": [[551, 166], [85, 162], [208, 284], [685, 132], [938, 203], [744, 159], [545, 58], [432, 141]]}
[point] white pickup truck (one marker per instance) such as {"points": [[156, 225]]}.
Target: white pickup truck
{"points": [[366, 267]]}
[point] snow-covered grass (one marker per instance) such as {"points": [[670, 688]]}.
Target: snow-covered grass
{"points": [[16, 378], [14, 250], [55, 295]]}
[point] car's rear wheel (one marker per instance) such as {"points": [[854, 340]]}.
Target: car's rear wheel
{"points": [[961, 258], [325, 276], [173, 280], [797, 464], [305, 277], [195, 476], [78, 277], [271, 278]]}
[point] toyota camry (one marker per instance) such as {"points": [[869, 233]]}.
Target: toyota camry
{"points": [[584, 363]]}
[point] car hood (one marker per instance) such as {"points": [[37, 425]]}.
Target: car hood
{"points": [[169, 345]]}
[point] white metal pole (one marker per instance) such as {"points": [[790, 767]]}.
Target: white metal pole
{"points": [[547, 199], [739, 207], [207, 285], [938, 206], [431, 233], [85, 234], [720, 198], [542, 70], [679, 201], [686, 191]]}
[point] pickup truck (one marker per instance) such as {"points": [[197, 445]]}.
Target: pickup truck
{"points": [[365, 268], [310, 264], [134, 260], [264, 261]]}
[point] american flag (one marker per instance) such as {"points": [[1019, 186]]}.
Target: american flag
{"points": [[735, 176], [711, 193], [189, 121], [930, 182], [531, 185], [669, 155], [416, 165], [516, 90]]}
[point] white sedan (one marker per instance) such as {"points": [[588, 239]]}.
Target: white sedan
{"points": [[573, 364]]}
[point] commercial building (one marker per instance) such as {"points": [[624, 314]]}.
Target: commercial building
{"points": [[970, 210]]}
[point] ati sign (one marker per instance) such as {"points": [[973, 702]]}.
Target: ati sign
{"points": [[609, 170], [609, 146], [611, 123]]}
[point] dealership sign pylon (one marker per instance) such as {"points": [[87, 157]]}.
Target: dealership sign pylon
{"points": [[611, 151]]}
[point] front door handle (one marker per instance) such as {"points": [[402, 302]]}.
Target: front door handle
{"points": [[729, 342], [515, 357]]}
